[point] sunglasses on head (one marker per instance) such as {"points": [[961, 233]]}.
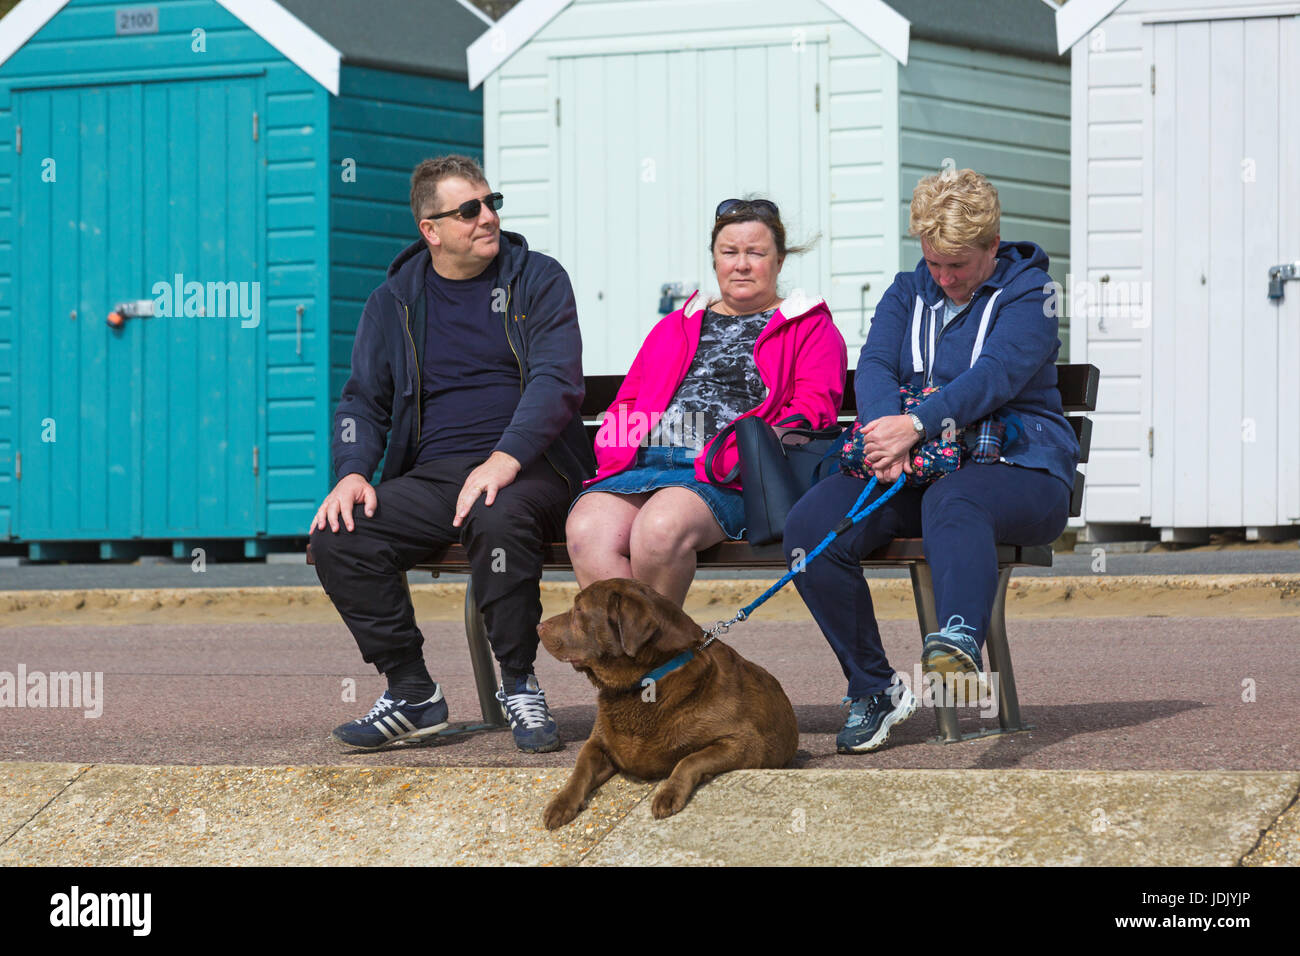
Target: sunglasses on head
{"points": [[761, 206], [470, 208]]}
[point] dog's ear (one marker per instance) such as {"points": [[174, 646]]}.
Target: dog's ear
{"points": [[614, 615], [632, 619], [647, 617]]}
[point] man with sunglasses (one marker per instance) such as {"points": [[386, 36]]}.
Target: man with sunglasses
{"points": [[468, 358]]}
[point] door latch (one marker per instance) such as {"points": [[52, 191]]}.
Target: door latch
{"points": [[139, 309], [1280, 274], [669, 292]]}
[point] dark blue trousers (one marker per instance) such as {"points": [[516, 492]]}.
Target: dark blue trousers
{"points": [[963, 517]]}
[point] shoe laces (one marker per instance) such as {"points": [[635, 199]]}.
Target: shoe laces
{"points": [[860, 709], [951, 630], [382, 706], [528, 708]]}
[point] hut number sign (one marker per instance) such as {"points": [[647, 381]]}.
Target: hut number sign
{"points": [[132, 20]]}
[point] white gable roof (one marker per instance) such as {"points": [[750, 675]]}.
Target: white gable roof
{"points": [[277, 26], [874, 19], [1076, 19]]}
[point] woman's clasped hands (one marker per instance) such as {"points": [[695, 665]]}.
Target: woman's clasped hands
{"points": [[888, 444]]}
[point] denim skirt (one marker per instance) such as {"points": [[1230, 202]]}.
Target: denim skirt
{"points": [[667, 466]]}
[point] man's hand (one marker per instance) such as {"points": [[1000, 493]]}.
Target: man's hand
{"points": [[351, 490], [494, 474]]}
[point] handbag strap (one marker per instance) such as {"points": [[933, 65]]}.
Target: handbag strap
{"points": [[720, 439], [831, 431], [714, 447], [792, 418]]}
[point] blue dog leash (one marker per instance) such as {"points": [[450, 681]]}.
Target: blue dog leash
{"points": [[855, 515]]}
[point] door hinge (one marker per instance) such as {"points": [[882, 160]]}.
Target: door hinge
{"points": [[254, 126], [817, 98], [1151, 443], [254, 460], [1153, 80], [557, 111], [18, 139], [18, 466]]}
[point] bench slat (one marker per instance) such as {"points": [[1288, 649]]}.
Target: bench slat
{"points": [[1076, 496], [1078, 387], [1083, 431]]}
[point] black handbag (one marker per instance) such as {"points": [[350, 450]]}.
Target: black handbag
{"points": [[773, 474]]}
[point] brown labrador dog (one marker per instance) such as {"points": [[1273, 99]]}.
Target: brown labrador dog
{"points": [[715, 713]]}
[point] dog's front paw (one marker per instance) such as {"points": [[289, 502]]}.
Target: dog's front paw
{"points": [[560, 811], [668, 799]]}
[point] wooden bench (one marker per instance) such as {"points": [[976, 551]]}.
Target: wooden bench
{"points": [[1078, 387]]}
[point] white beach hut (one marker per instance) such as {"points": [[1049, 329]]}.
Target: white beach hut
{"points": [[1185, 218], [614, 127]]}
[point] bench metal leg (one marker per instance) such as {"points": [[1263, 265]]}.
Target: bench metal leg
{"points": [[480, 655], [999, 653], [995, 646], [945, 712]]}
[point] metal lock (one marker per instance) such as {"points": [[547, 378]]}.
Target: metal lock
{"points": [[668, 293], [1279, 274]]}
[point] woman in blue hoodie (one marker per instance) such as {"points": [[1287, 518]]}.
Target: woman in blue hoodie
{"points": [[975, 321]]}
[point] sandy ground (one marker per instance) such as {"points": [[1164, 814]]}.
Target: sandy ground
{"points": [[1238, 595]]}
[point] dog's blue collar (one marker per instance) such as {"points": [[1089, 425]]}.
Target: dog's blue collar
{"points": [[663, 670]]}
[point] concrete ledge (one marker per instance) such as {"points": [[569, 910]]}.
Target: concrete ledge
{"points": [[134, 815]]}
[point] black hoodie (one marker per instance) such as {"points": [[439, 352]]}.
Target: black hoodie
{"points": [[381, 403]]}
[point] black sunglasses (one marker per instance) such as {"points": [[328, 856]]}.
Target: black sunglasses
{"points": [[761, 206], [470, 208]]}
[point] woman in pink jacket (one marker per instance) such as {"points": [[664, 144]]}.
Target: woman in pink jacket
{"points": [[651, 507]]}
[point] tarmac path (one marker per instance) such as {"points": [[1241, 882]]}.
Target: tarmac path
{"points": [[1104, 693]]}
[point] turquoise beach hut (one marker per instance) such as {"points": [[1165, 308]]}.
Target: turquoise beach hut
{"points": [[196, 198]]}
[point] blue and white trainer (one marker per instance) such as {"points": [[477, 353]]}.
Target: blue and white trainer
{"points": [[392, 720], [530, 719], [949, 651], [872, 718]]}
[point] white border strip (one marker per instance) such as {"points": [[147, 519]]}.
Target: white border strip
{"points": [[508, 35], [23, 22], [878, 22], [1077, 18], [298, 42], [1253, 11], [477, 12]]}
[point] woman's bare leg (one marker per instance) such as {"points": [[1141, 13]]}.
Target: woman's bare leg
{"points": [[667, 532], [598, 532]]}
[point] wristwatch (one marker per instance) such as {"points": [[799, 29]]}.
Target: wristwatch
{"points": [[916, 423]]}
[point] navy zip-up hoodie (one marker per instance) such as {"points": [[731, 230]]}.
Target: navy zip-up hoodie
{"points": [[381, 403], [1013, 371]]}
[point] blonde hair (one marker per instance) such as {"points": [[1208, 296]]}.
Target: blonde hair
{"points": [[955, 210]]}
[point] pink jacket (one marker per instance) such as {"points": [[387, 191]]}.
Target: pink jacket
{"points": [[800, 355]]}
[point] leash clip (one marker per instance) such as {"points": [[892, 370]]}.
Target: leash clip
{"points": [[722, 627]]}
